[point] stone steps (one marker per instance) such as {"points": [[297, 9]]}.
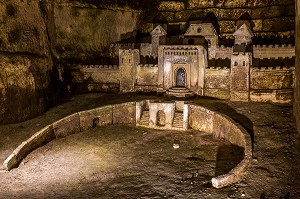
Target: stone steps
{"points": [[178, 120], [180, 92], [145, 118]]}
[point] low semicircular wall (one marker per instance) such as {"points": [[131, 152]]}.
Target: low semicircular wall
{"points": [[200, 118]]}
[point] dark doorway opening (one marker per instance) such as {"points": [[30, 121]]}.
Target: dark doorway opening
{"points": [[180, 77]]}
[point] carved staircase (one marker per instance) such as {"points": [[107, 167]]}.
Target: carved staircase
{"points": [[145, 118], [178, 120], [180, 92]]}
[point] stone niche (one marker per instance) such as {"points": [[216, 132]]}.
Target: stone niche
{"points": [[161, 114]]}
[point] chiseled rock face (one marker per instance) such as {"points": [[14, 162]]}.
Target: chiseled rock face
{"points": [[84, 31], [22, 27], [24, 82], [24, 60], [267, 15]]}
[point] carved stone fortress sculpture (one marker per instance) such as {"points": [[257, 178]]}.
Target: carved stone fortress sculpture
{"points": [[198, 65]]}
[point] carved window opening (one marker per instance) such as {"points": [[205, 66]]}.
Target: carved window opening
{"points": [[235, 63], [161, 118], [208, 43], [191, 41], [244, 63], [180, 77]]}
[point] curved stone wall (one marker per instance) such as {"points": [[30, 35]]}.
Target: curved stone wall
{"points": [[200, 118]]}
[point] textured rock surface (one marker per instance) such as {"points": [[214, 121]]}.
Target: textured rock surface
{"points": [[24, 60], [297, 72], [84, 32], [267, 16]]}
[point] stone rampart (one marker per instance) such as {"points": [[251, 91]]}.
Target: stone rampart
{"points": [[273, 51], [272, 84], [216, 82], [222, 52]]}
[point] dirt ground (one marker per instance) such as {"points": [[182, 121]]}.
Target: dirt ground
{"points": [[130, 162]]}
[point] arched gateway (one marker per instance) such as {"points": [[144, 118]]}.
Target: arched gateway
{"points": [[180, 77]]}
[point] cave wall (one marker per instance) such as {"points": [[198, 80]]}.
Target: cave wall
{"points": [[268, 16], [85, 31], [25, 60], [297, 68]]}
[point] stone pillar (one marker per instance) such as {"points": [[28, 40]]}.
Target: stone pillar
{"points": [[297, 68], [160, 73], [128, 61], [240, 76]]}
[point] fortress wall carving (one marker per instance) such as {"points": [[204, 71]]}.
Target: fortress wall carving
{"points": [[147, 75], [223, 52], [216, 83], [273, 51], [280, 77]]}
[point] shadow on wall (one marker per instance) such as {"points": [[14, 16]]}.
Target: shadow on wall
{"points": [[228, 156], [216, 105]]}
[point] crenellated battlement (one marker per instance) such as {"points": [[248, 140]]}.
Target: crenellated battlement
{"points": [[217, 68], [274, 68], [188, 52], [148, 65], [273, 51], [276, 46], [83, 66]]}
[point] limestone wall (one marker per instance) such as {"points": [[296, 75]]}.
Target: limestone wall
{"points": [[267, 16], [222, 52], [272, 84], [274, 51], [24, 61], [93, 78], [222, 126], [216, 83], [147, 75], [84, 30]]}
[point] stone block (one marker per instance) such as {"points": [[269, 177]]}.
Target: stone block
{"points": [[227, 26], [257, 25], [201, 119], [260, 3], [67, 126], [279, 24], [196, 4], [171, 6], [233, 4], [124, 113], [96, 117], [183, 15], [268, 12]]}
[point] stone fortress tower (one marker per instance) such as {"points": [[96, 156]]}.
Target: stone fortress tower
{"points": [[128, 60], [241, 61]]}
